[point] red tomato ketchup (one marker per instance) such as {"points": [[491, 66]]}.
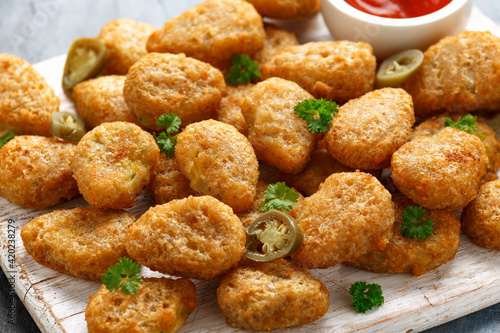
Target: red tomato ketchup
{"points": [[398, 8]]}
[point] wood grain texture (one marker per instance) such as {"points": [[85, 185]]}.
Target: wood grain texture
{"points": [[466, 284]]}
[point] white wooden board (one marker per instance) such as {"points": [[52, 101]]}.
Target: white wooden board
{"points": [[466, 284]]}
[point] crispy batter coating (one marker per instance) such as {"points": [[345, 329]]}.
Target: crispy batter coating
{"points": [[218, 161], [249, 215], [172, 83], [169, 183], [211, 31], [442, 171], [36, 171], [338, 71], [480, 218], [83, 242], [490, 140], [286, 9], [458, 74], [27, 102], [277, 39], [416, 256], [195, 237], [229, 110], [368, 130], [161, 305], [280, 138], [271, 295], [350, 215], [125, 40], [113, 163], [101, 100]]}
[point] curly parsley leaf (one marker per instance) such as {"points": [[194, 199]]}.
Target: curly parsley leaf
{"points": [[317, 113], [466, 123], [279, 196], [366, 296], [6, 138], [412, 226], [165, 140], [124, 276], [243, 70]]}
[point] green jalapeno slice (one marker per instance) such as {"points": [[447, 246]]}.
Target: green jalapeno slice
{"points": [[273, 235], [85, 60], [67, 126], [395, 70]]}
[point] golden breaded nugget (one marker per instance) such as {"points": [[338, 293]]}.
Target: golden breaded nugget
{"points": [[249, 215], [101, 100], [286, 9], [458, 74], [442, 171], [172, 83], [125, 40], [169, 183], [83, 242], [218, 161], [36, 171], [229, 110], [161, 305], [337, 71], [194, 237], [211, 31], [480, 217], [276, 40], [267, 296], [415, 256], [490, 140], [279, 137], [368, 130], [27, 102], [113, 163], [350, 215]]}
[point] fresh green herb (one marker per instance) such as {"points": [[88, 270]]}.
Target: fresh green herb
{"points": [[279, 196], [317, 113], [366, 296], [124, 276], [6, 138], [467, 124], [243, 70], [165, 140], [412, 226]]}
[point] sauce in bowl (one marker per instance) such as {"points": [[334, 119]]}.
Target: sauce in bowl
{"points": [[398, 8]]}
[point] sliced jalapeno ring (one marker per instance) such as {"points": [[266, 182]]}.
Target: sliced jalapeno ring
{"points": [[85, 60], [395, 70], [273, 235], [67, 126]]}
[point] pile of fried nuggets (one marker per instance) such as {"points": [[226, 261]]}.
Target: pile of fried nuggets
{"points": [[210, 192]]}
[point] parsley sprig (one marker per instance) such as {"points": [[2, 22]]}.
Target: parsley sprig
{"points": [[412, 226], [279, 196], [366, 296], [317, 113], [243, 70], [466, 123], [165, 140], [124, 276], [6, 138]]}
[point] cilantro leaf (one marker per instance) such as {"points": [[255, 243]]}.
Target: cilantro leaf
{"points": [[366, 296], [6, 138], [279, 196], [412, 226], [124, 276], [243, 70], [318, 114], [165, 140], [467, 124]]}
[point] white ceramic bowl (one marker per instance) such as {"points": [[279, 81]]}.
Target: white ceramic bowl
{"points": [[389, 36]]}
